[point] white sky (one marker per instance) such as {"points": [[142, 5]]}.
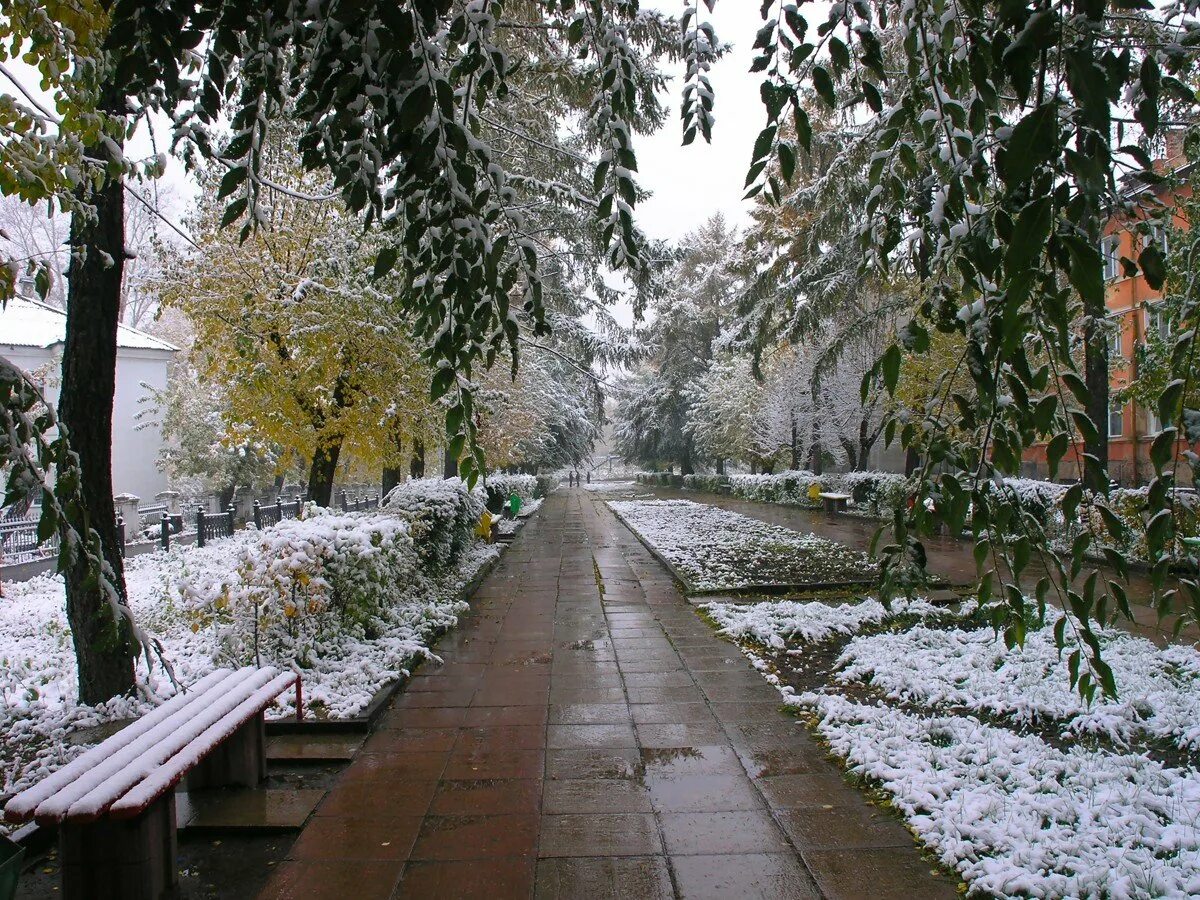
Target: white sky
{"points": [[690, 183]]}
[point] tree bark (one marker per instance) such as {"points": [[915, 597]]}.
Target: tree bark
{"points": [[795, 445], [449, 465], [393, 475], [721, 465], [322, 472], [104, 646], [416, 466]]}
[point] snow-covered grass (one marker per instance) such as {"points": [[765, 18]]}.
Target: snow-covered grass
{"points": [[773, 624], [1159, 689], [605, 486], [1066, 810], [714, 549], [346, 600], [1020, 818]]}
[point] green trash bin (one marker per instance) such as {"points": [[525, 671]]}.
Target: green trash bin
{"points": [[514, 505], [11, 855]]}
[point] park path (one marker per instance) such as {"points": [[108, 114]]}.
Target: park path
{"points": [[589, 736]]}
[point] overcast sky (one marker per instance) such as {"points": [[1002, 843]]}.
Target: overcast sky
{"points": [[691, 183]]}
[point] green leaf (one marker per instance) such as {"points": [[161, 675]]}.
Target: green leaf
{"points": [[1029, 238], [385, 261], [823, 85], [1033, 141], [1153, 266]]}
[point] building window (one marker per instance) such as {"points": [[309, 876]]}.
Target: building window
{"points": [[1116, 419], [1110, 249], [1116, 329], [1154, 424], [1158, 321], [1159, 237]]}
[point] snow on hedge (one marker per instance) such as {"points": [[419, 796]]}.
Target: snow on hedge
{"points": [[348, 600], [773, 624], [714, 549], [1018, 817], [1159, 689]]}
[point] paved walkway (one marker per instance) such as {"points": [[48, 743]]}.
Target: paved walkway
{"points": [[589, 736]]}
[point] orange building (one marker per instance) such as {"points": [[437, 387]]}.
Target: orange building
{"points": [[1134, 308]]}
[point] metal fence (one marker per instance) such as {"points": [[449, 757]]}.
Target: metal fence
{"points": [[359, 504], [210, 526], [266, 516]]}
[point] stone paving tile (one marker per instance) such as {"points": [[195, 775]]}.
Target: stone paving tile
{"points": [[580, 743], [599, 835], [773, 876], [603, 878], [475, 879]]}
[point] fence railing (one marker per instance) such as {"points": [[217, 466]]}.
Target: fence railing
{"points": [[359, 504], [19, 537], [210, 526], [266, 516]]}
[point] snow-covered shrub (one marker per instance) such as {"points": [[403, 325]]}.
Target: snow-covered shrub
{"points": [[546, 485], [714, 484], [305, 579], [500, 487], [442, 514], [877, 492]]}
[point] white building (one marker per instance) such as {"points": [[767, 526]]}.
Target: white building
{"points": [[31, 337]]}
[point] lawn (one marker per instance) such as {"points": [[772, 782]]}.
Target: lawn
{"points": [[715, 550], [989, 755]]}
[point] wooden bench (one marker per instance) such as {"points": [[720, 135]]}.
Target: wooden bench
{"points": [[834, 503], [115, 804]]}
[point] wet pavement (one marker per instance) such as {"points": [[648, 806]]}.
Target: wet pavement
{"points": [[589, 736]]}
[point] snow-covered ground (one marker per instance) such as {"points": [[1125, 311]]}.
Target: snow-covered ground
{"points": [[341, 598], [1060, 810], [606, 486], [715, 549], [774, 624]]}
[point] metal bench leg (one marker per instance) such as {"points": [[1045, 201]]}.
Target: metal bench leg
{"points": [[240, 761], [121, 859]]}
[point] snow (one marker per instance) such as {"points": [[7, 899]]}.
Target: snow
{"points": [[31, 323], [348, 601], [604, 486], [1013, 813], [1159, 690], [772, 624], [1018, 817], [714, 549]]}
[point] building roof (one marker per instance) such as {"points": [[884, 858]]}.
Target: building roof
{"points": [[31, 323]]}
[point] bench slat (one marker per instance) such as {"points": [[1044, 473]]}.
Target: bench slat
{"points": [[88, 798], [21, 807], [168, 775]]}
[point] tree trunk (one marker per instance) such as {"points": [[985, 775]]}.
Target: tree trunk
{"points": [[721, 465], [814, 453], [393, 475], [795, 446], [416, 467], [225, 496], [685, 461], [912, 461], [866, 440], [322, 471], [753, 466], [1093, 125], [450, 465], [104, 647]]}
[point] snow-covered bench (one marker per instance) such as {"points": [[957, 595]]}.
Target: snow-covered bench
{"points": [[115, 804], [834, 503]]}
